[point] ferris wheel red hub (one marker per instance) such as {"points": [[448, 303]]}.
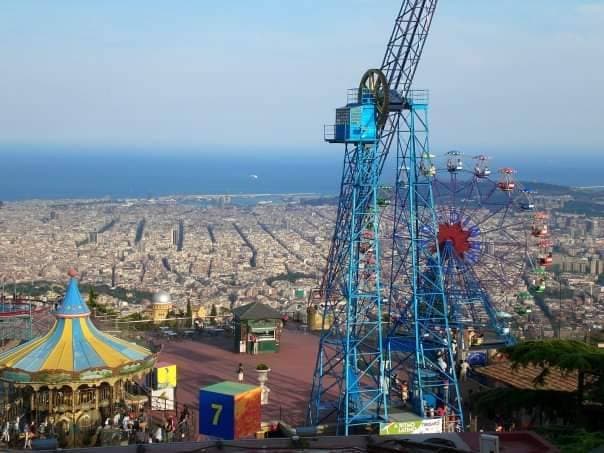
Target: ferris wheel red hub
{"points": [[456, 235]]}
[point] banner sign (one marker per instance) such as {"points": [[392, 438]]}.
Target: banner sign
{"points": [[419, 426]]}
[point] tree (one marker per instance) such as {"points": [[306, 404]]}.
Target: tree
{"points": [[569, 356], [213, 314], [232, 299], [189, 309], [92, 297]]}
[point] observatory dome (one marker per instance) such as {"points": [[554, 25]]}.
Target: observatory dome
{"points": [[162, 297]]}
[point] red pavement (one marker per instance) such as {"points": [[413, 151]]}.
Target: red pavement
{"points": [[208, 360]]}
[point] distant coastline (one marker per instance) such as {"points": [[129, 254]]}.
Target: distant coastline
{"points": [[51, 174]]}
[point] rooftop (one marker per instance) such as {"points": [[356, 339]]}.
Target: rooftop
{"points": [[255, 311], [229, 388], [73, 345], [524, 377]]}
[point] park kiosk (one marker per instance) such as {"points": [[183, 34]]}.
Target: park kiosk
{"points": [[257, 328]]}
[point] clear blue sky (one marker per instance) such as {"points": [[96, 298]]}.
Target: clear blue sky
{"points": [[507, 73]]}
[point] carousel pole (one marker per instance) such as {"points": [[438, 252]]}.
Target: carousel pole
{"points": [[73, 426]]}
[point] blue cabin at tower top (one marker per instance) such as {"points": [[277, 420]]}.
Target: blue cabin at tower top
{"points": [[355, 123]]}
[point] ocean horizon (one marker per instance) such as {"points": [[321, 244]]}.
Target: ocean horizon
{"points": [[59, 173]]}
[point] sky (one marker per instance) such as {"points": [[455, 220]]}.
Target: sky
{"points": [[506, 74]]}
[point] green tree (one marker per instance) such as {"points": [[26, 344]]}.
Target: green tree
{"points": [[554, 356], [567, 355], [232, 299], [213, 314], [189, 313], [92, 297]]}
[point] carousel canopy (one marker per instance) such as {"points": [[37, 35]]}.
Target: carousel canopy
{"points": [[74, 345]]}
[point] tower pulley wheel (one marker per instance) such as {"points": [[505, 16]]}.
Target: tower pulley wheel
{"points": [[375, 84]]}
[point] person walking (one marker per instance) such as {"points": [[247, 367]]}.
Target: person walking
{"points": [[157, 436], [28, 437], [6, 433], [463, 370], [240, 373], [404, 393], [442, 364], [255, 345], [183, 423], [116, 419]]}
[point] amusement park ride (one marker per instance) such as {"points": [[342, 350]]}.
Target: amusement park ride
{"points": [[21, 318], [456, 234]]}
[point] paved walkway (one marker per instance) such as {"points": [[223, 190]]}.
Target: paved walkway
{"points": [[208, 360]]}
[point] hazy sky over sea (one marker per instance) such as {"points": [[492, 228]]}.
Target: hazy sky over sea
{"points": [[503, 74]]}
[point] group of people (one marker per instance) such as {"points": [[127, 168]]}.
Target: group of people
{"points": [[402, 387], [439, 411], [24, 429], [140, 429], [21, 428], [130, 423], [253, 340], [170, 430]]}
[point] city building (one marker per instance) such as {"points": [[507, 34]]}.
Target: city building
{"points": [[161, 306]]}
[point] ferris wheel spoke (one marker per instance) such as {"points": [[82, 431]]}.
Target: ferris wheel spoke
{"points": [[491, 214], [497, 276], [504, 227], [505, 267], [466, 199]]}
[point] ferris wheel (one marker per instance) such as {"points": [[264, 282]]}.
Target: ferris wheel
{"points": [[488, 238]]}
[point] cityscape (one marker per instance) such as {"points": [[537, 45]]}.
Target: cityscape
{"points": [[210, 241], [202, 254], [207, 250]]}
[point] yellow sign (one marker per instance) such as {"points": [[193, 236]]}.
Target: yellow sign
{"points": [[166, 376]]}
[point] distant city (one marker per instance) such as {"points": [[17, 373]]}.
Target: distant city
{"points": [[201, 249], [227, 250]]}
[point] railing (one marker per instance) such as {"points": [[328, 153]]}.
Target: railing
{"points": [[185, 429], [10, 410], [419, 96], [86, 397], [63, 399], [414, 96], [329, 132], [105, 393], [43, 399]]}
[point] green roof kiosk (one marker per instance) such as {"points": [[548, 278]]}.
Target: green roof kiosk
{"points": [[257, 328]]}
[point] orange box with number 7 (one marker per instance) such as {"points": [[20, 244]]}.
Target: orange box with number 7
{"points": [[229, 410]]}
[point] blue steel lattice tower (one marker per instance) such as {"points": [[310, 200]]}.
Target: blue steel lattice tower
{"points": [[351, 378], [420, 340], [348, 381]]}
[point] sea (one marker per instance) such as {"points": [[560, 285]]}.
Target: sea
{"points": [[44, 172]]}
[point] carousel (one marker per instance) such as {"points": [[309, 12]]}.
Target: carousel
{"points": [[73, 377]]}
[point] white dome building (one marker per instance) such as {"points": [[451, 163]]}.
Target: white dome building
{"points": [[162, 304]]}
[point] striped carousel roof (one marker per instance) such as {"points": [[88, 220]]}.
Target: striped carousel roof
{"points": [[73, 344]]}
